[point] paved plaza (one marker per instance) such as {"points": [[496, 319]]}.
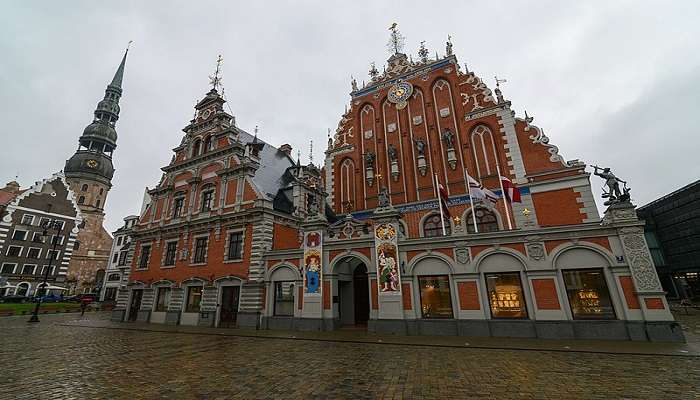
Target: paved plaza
{"points": [[59, 358]]}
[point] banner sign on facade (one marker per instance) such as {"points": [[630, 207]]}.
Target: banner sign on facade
{"points": [[386, 246], [313, 267]]}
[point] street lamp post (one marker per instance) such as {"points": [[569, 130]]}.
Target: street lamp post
{"points": [[55, 224]]}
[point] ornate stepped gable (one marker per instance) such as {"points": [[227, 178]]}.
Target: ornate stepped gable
{"points": [[420, 118]]}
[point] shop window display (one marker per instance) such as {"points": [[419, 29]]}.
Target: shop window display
{"points": [[506, 295], [588, 294], [435, 300]]}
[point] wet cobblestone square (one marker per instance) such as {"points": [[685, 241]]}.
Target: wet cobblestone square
{"points": [[52, 360]]}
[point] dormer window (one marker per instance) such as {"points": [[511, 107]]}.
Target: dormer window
{"points": [[209, 144], [196, 148]]}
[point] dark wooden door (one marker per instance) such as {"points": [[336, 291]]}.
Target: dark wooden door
{"points": [[136, 295], [229, 306], [361, 295]]}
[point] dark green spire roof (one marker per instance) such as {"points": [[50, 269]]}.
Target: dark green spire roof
{"points": [[119, 75]]}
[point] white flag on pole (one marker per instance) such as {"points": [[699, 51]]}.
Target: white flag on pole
{"points": [[479, 192]]}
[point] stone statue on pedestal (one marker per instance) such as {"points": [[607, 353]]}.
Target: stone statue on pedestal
{"points": [[613, 195]]}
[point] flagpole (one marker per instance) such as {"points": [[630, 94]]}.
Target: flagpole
{"points": [[471, 201], [437, 196], [503, 193]]}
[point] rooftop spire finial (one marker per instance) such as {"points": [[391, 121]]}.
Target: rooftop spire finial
{"points": [[311, 151], [423, 52], [215, 81], [396, 40], [499, 94], [119, 75]]}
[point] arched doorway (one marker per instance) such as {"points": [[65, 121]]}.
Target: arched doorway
{"points": [[22, 289], [353, 292]]}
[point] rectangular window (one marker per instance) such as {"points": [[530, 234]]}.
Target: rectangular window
{"points": [[435, 299], [145, 256], [28, 269], [178, 204], [57, 239], [119, 241], [194, 297], [162, 299], [235, 246], [170, 252], [43, 270], [53, 254], [58, 225], [207, 200], [110, 293], [27, 219], [14, 251], [588, 294], [200, 250], [122, 258], [19, 235], [8, 268], [33, 252], [37, 238], [506, 295], [43, 222], [114, 258], [284, 298]]}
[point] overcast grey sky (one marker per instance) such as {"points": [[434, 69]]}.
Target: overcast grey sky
{"points": [[611, 82]]}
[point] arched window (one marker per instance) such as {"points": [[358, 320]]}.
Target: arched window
{"points": [[81, 200], [484, 151], [196, 147], [432, 226], [84, 188], [347, 185], [97, 204], [209, 144], [486, 221]]}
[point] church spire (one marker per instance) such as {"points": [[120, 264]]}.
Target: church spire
{"points": [[119, 75]]}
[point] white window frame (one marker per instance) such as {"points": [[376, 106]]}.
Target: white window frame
{"points": [[34, 235], [150, 253], [29, 249], [194, 249], [165, 254], [57, 256], [63, 238], [227, 243], [21, 248], [26, 233], [14, 267], [51, 272], [31, 223], [42, 219], [30, 265]]}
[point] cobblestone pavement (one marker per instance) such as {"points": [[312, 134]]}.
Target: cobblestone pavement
{"points": [[51, 360]]}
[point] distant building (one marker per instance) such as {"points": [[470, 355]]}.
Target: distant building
{"points": [[89, 172], [117, 272], [673, 233], [25, 254]]}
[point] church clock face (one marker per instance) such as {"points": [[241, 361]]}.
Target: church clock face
{"points": [[206, 114], [92, 163], [399, 93]]}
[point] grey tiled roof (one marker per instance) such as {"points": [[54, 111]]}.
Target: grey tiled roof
{"points": [[273, 164]]}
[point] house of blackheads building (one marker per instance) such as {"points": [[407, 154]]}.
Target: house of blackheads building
{"points": [[238, 234]]}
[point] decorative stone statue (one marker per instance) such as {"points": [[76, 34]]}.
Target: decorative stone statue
{"points": [[420, 146], [311, 204], [448, 137], [383, 198], [369, 159], [613, 194], [393, 155], [448, 46], [354, 84]]}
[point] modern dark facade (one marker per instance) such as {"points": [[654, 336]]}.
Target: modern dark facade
{"points": [[672, 231]]}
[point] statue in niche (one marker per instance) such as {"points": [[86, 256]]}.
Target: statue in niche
{"points": [[311, 204], [449, 138], [420, 146], [369, 159], [393, 155], [383, 198]]}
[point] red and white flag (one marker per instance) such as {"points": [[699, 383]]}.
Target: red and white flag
{"points": [[443, 200], [511, 192]]}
